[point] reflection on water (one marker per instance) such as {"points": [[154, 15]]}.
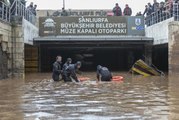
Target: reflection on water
{"points": [[137, 98]]}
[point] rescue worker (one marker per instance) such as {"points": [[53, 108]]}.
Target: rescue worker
{"points": [[103, 73], [57, 69], [65, 66], [68, 62], [70, 72]]}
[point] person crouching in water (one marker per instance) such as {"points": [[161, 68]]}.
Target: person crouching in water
{"points": [[103, 74], [57, 69], [70, 72], [65, 66]]}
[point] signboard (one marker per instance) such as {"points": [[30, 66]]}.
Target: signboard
{"points": [[109, 25]]}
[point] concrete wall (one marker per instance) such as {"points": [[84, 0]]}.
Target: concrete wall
{"points": [[17, 51], [174, 47], [5, 50], [3, 64], [159, 32], [163, 33], [13, 37], [22, 34], [29, 32]]}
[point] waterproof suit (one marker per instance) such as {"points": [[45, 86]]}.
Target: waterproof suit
{"points": [[70, 73], [56, 71], [65, 66], [103, 73]]}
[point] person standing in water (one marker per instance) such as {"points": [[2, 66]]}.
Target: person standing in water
{"points": [[65, 66], [57, 70]]}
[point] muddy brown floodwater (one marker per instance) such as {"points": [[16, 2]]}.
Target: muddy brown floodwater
{"points": [[37, 97]]}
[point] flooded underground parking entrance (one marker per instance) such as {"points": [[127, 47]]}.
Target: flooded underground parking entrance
{"points": [[38, 97], [117, 55], [28, 50]]}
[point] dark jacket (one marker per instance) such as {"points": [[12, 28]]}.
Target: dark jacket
{"points": [[56, 71], [71, 72], [148, 11], [117, 11], [65, 66], [128, 11], [64, 13], [155, 7], [104, 73]]}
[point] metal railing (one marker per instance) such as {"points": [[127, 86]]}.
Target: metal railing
{"points": [[169, 11], [4, 12], [176, 11], [18, 9]]}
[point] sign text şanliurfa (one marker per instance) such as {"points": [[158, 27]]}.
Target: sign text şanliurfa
{"points": [[83, 26], [93, 26]]}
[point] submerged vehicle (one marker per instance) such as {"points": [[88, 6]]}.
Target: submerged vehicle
{"points": [[144, 69]]}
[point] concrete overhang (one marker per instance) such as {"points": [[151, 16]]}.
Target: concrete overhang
{"points": [[107, 42], [93, 38]]}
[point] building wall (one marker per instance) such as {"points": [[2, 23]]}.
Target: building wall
{"points": [[174, 47], [159, 32], [11, 50], [166, 44], [13, 37], [3, 64], [5, 49], [29, 32], [17, 51]]}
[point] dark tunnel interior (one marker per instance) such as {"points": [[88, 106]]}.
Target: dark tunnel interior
{"points": [[115, 59]]}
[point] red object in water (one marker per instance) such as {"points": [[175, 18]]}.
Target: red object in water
{"points": [[83, 78], [117, 78]]}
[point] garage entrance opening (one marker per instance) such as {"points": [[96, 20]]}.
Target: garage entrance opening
{"points": [[116, 53], [113, 58]]}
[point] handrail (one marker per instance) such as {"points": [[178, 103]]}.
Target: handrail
{"points": [[4, 12], [19, 9], [170, 10], [16, 9]]}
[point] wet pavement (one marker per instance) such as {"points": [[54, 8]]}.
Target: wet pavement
{"points": [[137, 98]]}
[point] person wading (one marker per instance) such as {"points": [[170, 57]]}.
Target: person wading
{"points": [[65, 66], [57, 69], [103, 74], [70, 72]]}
